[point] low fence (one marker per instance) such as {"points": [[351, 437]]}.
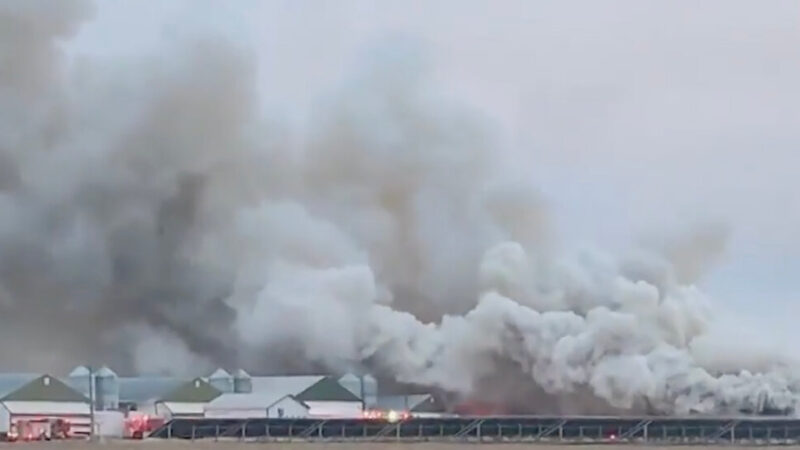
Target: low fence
{"points": [[496, 429]]}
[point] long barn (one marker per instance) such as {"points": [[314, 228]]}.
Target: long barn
{"points": [[36, 396], [698, 430]]}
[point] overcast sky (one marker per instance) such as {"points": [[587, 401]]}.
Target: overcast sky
{"points": [[636, 117]]}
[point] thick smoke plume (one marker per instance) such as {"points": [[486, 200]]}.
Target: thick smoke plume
{"points": [[151, 220]]}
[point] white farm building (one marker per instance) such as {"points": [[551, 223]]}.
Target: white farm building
{"points": [[37, 396], [255, 405], [286, 396]]}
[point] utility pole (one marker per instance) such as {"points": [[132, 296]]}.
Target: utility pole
{"points": [[91, 402], [363, 392]]}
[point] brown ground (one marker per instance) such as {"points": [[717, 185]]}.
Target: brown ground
{"points": [[161, 445]]}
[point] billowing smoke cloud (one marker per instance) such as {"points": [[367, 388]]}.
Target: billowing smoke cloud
{"points": [[151, 220]]}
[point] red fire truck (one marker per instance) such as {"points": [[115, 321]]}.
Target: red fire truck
{"points": [[138, 426], [43, 429]]}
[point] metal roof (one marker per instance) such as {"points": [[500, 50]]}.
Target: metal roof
{"points": [[268, 390], [195, 391], [328, 389], [281, 385], [350, 377], [305, 388], [402, 402], [36, 387], [248, 401]]}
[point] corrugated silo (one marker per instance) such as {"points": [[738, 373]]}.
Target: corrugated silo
{"points": [[106, 389], [78, 379], [370, 390], [221, 380], [242, 382]]}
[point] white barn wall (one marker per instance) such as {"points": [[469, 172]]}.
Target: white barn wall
{"points": [[335, 409], [110, 423], [242, 413], [76, 413], [171, 410], [5, 419], [244, 406], [47, 409], [292, 409]]}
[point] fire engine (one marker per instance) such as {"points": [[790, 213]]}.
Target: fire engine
{"points": [[138, 426], [389, 416], [43, 429]]}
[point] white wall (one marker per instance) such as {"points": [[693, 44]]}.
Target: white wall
{"points": [[77, 413], [291, 408], [238, 413], [110, 423], [335, 409], [42, 408], [5, 419]]}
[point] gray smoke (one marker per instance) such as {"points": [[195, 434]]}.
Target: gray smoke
{"points": [[150, 219]]}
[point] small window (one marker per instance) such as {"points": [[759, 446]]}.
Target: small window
{"points": [[46, 381], [196, 383], [280, 412]]}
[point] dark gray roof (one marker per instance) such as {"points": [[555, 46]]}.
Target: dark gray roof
{"points": [[280, 386], [44, 388]]}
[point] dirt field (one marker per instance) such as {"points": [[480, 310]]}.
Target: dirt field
{"points": [[158, 445]]}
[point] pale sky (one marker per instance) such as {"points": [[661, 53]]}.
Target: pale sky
{"points": [[636, 117]]}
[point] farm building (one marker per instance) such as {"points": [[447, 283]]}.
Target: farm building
{"points": [[154, 395], [188, 400], [238, 382], [162, 396], [36, 396], [221, 380], [324, 395], [165, 396], [419, 405], [142, 393], [104, 382], [276, 396], [256, 405], [222, 394], [364, 387]]}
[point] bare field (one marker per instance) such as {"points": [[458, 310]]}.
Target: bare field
{"points": [[164, 445]]}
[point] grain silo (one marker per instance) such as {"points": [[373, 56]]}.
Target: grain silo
{"points": [[242, 382], [106, 389], [79, 380], [221, 380]]}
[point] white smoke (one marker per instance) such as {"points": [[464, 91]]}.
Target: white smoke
{"points": [[396, 235]]}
